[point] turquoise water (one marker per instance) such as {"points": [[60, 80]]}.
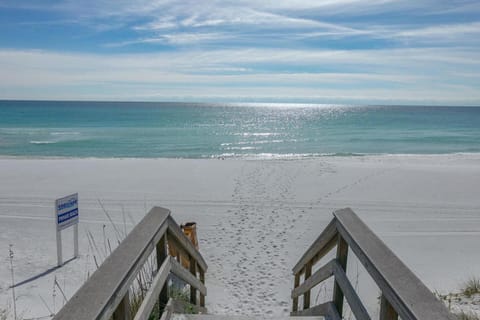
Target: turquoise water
{"points": [[179, 130]]}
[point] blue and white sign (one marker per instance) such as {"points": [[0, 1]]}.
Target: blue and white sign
{"points": [[66, 215], [66, 211]]}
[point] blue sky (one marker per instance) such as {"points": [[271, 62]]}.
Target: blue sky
{"points": [[344, 51]]}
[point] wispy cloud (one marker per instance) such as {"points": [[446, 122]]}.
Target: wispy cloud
{"points": [[445, 32], [180, 39], [242, 17], [291, 21], [380, 49], [158, 24], [410, 76], [176, 22]]}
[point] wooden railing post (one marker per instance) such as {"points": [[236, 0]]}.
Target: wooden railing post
{"points": [[202, 280], [123, 311], [193, 271], [386, 310], [306, 295], [106, 294], [295, 285], [162, 255], [342, 253], [403, 295]]}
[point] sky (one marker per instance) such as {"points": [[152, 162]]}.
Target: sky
{"points": [[323, 51]]}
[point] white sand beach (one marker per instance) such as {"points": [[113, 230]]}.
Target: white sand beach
{"points": [[255, 219]]}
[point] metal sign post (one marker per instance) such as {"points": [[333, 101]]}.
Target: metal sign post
{"points": [[66, 215]]}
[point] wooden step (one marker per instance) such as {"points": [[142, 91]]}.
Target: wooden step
{"points": [[229, 317]]}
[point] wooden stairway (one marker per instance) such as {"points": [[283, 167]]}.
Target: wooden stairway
{"points": [[107, 293], [227, 317]]}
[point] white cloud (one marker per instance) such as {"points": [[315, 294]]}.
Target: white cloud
{"points": [[175, 22], [238, 16], [446, 69], [189, 38], [444, 32], [183, 38], [250, 21], [406, 75], [159, 24], [152, 8]]}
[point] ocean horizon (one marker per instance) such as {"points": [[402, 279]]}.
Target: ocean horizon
{"points": [[232, 130]]}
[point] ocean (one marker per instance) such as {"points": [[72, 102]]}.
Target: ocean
{"points": [[202, 130]]}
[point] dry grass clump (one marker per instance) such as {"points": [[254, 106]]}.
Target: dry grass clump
{"points": [[465, 303], [3, 314], [467, 316], [471, 287]]}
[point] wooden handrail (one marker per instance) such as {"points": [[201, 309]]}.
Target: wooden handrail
{"points": [[150, 299], [106, 292], [403, 294], [320, 275], [323, 243], [182, 273]]}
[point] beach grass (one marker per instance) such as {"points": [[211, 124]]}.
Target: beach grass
{"points": [[471, 287], [467, 316], [3, 314], [464, 303]]}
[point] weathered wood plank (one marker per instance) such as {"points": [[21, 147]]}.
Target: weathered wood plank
{"points": [[186, 276], [176, 249], [405, 292], [162, 254], [185, 243], [333, 313], [167, 311], [324, 238], [295, 286], [386, 310], [326, 249], [123, 310], [162, 251], [193, 271], [150, 298], [306, 295], [326, 309], [341, 260], [353, 300], [202, 280], [318, 276], [103, 292]]}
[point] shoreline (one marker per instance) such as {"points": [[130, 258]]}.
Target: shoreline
{"points": [[253, 157]]}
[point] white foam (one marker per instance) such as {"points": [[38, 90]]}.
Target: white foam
{"points": [[43, 142], [65, 133]]}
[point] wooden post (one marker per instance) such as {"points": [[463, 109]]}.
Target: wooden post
{"points": [[386, 310], [123, 311], [306, 295], [342, 253], [295, 285], [162, 254], [75, 240], [178, 254], [59, 248], [202, 280], [193, 270]]}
